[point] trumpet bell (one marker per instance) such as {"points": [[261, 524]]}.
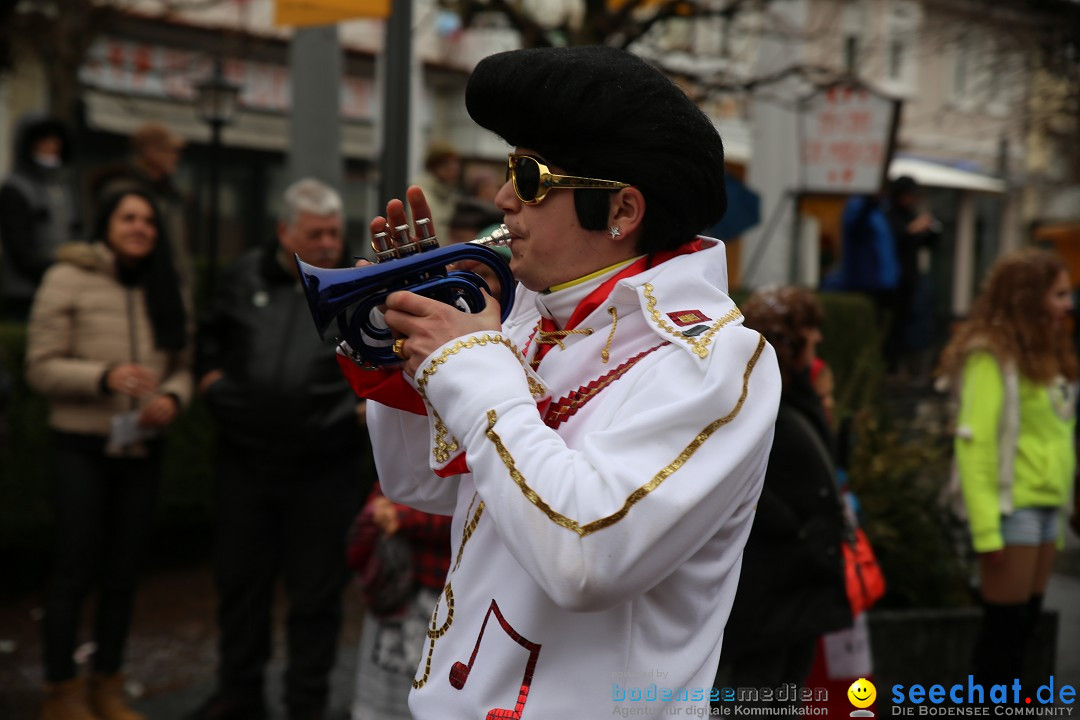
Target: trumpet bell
{"points": [[352, 296]]}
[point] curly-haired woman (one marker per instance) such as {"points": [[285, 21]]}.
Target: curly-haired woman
{"points": [[1014, 445]]}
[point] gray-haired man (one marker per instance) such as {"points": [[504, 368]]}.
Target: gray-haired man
{"points": [[290, 477]]}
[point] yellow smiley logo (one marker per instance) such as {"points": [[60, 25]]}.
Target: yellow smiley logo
{"points": [[862, 693]]}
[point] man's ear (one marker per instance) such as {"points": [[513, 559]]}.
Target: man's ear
{"points": [[627, 212]]}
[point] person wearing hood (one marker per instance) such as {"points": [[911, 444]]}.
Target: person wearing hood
{"points": [[109, 346], [36, 210]]}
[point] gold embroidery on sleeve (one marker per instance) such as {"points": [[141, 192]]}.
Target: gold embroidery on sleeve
{"points": [[444, 449], [634, 497], [699, 344]]}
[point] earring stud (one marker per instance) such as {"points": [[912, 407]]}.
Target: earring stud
{"points": [[615, 232]]}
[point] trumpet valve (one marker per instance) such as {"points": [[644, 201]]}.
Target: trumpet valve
{"points": [[404, 246], [383, 246], [427, 239]]}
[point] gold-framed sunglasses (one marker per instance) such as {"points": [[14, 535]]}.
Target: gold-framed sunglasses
{"points": [[533, 179]]}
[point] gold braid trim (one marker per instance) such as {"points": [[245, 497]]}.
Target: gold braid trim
{"points": [[434, 632], [554, 337], [634, 497], [444, 449], [605, 354], [699, 344]]}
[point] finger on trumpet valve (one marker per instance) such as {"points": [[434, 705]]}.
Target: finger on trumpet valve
{"points": [[383, 246], [405, 244], [426, 233]]}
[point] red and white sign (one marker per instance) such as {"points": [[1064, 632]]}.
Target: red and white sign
{"points": [[845, 140], [137, 68]]}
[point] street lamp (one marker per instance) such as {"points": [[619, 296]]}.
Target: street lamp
{"points": [[215, 102]]}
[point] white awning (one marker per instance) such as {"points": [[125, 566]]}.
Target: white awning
{"points": [[931, 174], [269, 131]]}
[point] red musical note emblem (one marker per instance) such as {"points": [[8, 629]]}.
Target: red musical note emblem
{"points": [[459, 673]]}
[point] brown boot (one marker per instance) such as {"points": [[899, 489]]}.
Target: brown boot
{"points": [[66, 701], [108, 700]]}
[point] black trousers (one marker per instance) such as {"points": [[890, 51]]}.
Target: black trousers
{"points": [[276, 521], [103, 509], [771, 667]]}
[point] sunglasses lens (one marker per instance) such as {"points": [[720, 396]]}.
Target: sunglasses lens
{"points": [[527, 177]]}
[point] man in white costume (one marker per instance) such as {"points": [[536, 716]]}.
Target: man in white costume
{"points": [[603, 449]]}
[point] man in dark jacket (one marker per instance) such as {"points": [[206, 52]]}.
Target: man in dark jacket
{"points": [[36, 210], [916, 232], [290, 471]]}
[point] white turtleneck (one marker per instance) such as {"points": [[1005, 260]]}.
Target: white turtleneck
{"points": [[561, 300]]}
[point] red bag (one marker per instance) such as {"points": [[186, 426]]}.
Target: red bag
{"points": [[865, 582]]}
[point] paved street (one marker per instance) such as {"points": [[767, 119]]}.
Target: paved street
{"points": [[172, 651], [171, 657]]}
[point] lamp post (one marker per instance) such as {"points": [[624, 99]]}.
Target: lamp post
{"points": [[215, 102]]}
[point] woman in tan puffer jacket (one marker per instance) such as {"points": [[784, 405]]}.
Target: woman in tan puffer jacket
{"points": [[109, 346]]}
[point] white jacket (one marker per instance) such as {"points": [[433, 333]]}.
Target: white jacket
{"points": [[599, 556]]}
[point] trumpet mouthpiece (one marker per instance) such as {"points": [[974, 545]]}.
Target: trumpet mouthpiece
{"points": [[498, 239]]}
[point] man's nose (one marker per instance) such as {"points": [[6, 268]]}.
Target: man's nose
{"points": [[506, 199]]}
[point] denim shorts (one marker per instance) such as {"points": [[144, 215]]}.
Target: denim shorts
{"points": [[1030, 526]]}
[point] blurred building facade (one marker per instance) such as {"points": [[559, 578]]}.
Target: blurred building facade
{"points": [[979, 125], [143, 66]]}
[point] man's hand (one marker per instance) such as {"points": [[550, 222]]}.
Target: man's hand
{"points": [[922, 223], [159, 412], [385, 515], [209, 379], [428, 324], [131, 379], [395, 214]]}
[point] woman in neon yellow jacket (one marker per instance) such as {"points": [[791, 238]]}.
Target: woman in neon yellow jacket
{"points": [[1015, 450]]}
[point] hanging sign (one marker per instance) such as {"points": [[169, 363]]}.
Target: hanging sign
{"points": [[846, 138]]}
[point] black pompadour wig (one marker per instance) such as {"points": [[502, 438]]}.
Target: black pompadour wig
{"points": [[602, 112]]}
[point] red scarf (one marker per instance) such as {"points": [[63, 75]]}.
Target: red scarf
{"points": [[594, 299]]}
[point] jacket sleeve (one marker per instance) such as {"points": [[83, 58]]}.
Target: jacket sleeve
{"points": [[684, 452], [216, 329], [50, 368], [399, 440], [180, 380], [981, 400], [17, 232]]}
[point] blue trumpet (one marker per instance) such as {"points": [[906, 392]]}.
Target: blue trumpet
{"points": [[352, 295]]}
